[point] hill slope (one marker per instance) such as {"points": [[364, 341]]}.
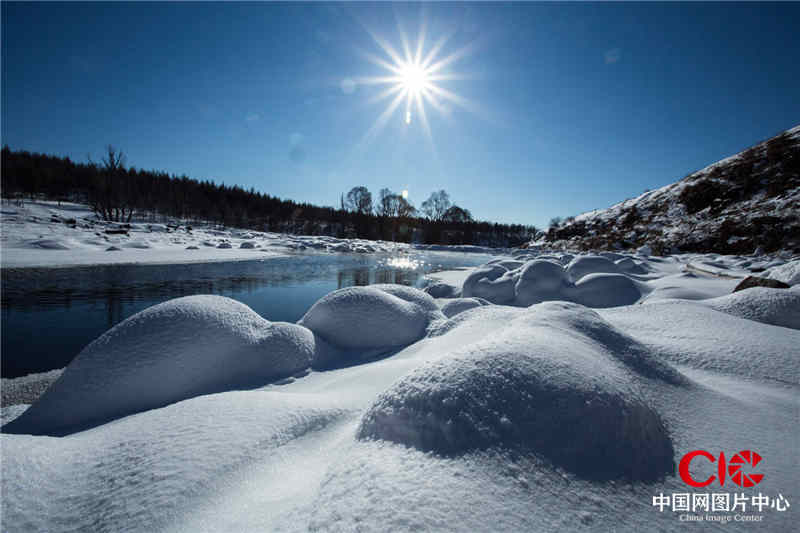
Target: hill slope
{"points": [[749, 200]]}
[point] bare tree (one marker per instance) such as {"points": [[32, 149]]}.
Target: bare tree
{"points": [[436, 205], [113, 199], [359, 200], [457, 214], [385, 206]]}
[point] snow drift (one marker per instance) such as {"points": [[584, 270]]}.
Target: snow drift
{"points": [[779, 307], [554, 382], [169, 352]]}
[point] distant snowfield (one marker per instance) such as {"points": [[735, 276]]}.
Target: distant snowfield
{"points": [[543, 392]]}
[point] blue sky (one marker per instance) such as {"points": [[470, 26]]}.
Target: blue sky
{"points": [[561, 108]]}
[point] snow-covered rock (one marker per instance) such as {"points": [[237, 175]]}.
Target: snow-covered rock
{"points": [[590, 264], [557, 381], [605, 290], [440, 289], [540, 280], [169, 352], [359, 322], [490, 282]]}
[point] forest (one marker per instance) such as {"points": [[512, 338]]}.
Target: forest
{"points": [[122, 193]]}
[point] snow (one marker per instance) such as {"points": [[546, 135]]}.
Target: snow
{"points": [[535, 416], [169, 352]]}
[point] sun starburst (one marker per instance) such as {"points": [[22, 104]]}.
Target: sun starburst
{"points": [[414, 78]]}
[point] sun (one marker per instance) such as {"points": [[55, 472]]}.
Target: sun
{"points": [[415, 78]]}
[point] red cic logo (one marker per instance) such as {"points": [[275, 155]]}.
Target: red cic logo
{"points": [[734, 468]]}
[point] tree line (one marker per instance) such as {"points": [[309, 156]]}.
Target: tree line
{"points": [[119, 193]]}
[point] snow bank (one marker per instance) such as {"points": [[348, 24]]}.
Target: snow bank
{"points": [[779, 307], [360, 322], [169, 352], [553, 382], [692, 334]]}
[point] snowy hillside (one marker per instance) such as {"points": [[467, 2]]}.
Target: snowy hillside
{"points": [[749, 200], [386, 409]]}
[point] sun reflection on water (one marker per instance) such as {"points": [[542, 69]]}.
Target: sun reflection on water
{"points": [[404, 262]]}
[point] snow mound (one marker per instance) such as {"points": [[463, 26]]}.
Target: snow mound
{"points": [[50, 244], [169, 352], [139, 245], [459, 305], [788, 273], [629, 266], [779, 307], [590, 264], [540, 280], [490, 282], [441, 289], [508, 264], [605, 290], [360, 322], [550, 383]]}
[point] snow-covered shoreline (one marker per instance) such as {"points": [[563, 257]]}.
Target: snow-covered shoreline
{"points": [[46, 234]]}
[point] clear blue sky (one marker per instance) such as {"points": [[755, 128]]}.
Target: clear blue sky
{"points": [[566, 107]]}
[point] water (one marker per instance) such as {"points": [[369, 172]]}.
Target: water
{"points": [[50, 314]]}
